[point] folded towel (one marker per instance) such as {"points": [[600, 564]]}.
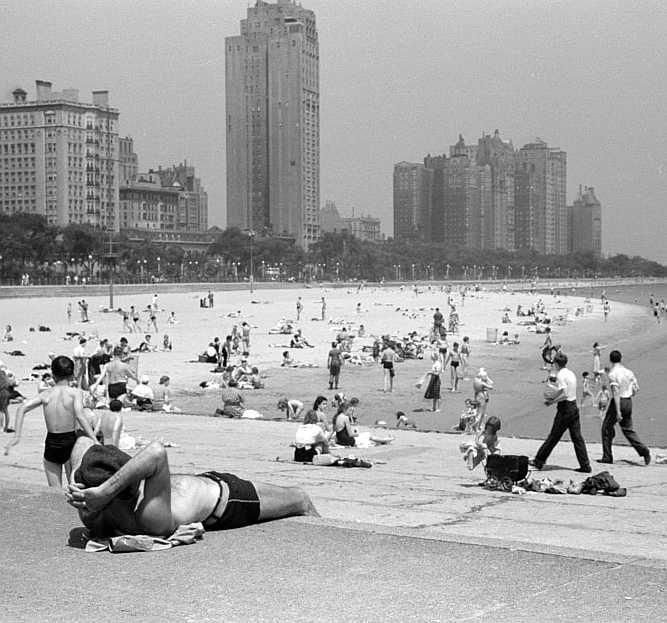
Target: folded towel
{"points": [[183, 535]]}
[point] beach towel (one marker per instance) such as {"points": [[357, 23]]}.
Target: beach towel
{"points": [[186, 534]]}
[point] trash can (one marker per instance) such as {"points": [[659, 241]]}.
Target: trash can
{"points": [[492, 335]]}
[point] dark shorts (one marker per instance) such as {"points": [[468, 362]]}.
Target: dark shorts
{"points": [[334, 370], [117, 389], [242, 507], [454, 364], [58, 446]]}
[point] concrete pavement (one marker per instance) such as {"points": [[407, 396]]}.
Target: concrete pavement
{"points": [[413, 538]]}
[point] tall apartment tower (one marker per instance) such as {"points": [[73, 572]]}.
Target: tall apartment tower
{"points": [[412, 199], [460, 198], [586, 228], [59, 157], [499, 225], [541, 209], [273, 122]]}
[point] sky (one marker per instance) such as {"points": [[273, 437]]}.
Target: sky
{"points": [[398, 80]]}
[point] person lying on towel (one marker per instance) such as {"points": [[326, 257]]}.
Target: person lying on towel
{"points": [[118, 494]]}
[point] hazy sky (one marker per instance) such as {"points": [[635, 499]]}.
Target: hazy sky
{"points": [[399, 79]]}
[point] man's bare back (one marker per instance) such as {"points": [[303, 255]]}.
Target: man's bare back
{"points": [[119, 372], [63, 409]]}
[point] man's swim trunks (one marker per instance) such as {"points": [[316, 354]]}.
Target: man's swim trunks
{"points": [[242, 507], [58, 446], [117, 389]]}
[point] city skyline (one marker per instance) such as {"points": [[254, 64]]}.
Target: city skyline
{"points": [[580, 76]]}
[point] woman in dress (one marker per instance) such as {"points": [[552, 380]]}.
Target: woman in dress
{"points": [[433, 387]]}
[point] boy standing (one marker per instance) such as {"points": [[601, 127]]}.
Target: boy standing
{"points": [[63, 409]]}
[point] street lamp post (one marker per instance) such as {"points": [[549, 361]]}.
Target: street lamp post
{"points": [[158, 266], [251, 237], [413, 272]]}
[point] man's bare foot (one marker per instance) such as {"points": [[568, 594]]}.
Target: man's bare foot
{"points": [[310, 511]]}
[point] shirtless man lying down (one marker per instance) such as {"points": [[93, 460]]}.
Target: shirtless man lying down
{"points": [[116, 494]]}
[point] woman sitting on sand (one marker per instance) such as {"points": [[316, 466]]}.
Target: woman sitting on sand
{"points": [[310, 439], [233, 402], [342, 425], [319, 406]]}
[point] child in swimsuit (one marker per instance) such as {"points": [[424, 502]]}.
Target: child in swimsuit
{"points": [[63, 409]]}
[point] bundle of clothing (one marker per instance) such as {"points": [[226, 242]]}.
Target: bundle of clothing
{"points": [[603, 483]]}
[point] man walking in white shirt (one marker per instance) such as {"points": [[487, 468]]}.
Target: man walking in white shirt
{"points": [[567, 418], [624, 386]]}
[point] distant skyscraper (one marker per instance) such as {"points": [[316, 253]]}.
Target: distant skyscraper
{"points": [[499, 220], [59, 157], [541, 209], [586, 228], [460, 198], [412, 192], [273, 122]]}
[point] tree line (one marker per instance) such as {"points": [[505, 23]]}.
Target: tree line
{"points": [[49, 254]]}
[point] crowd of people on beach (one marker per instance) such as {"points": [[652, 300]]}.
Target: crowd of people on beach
{"points": [[85, 395]]}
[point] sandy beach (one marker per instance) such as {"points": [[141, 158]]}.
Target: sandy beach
{"points": [[516, 369]]}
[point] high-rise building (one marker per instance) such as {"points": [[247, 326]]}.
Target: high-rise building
{"points": [[59, 157], [499, 220], [128, 162], [540, 203], [273, 122], [460, 198], [412, 198], [586, 228]]}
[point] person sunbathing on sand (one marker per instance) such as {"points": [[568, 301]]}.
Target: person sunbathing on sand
{"points": [[109, 496]]}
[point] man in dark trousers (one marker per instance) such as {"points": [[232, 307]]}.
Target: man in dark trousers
{"points": [[624, 386], [567, 417]]}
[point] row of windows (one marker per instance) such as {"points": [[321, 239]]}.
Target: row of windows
{"points": [[14, 163], [17, 119], [18, 148], [17, 191], [12, 135]]}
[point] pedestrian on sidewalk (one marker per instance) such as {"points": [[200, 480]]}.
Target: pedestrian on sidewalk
{"points": [[624, 386], [567, 417]]}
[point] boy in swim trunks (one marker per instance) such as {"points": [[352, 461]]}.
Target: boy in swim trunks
{"points": [[63, 409], [110, 500]]}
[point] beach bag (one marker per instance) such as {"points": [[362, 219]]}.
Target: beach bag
{"points": [[420, 381]]}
